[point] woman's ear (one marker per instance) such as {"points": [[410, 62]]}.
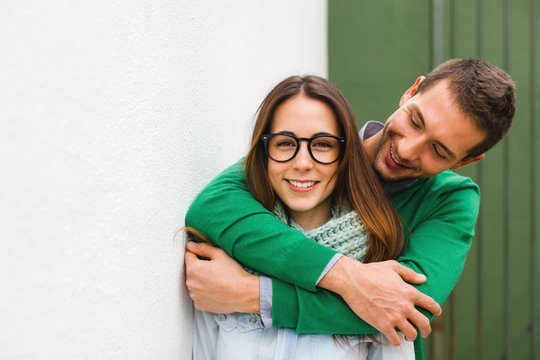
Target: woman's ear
{"points": [[411, 91]]}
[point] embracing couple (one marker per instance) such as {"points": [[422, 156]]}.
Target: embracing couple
{"points": [[339, 243]]}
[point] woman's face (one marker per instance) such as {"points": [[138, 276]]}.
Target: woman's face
{"points": [[303, 184]]}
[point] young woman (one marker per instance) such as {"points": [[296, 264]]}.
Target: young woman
{"points": [[307, 165]]}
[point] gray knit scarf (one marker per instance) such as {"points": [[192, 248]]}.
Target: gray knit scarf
{"points": [[344, 232]]}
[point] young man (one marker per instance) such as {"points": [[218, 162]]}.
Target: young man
{"points": [[445, 121]]}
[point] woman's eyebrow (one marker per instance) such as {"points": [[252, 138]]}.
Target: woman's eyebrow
{"points": [[285, 132], [323, 133]]}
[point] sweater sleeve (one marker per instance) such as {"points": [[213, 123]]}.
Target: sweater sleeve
{"points": [[440, 237], [318, 312], [230, 217], [439, 243]]}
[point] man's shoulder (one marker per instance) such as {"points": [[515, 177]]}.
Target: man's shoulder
{"points": [[443, 196], [438, 188], [449, 180]]}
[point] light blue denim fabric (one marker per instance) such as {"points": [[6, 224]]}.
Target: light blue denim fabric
{"points": [[241, 336]]}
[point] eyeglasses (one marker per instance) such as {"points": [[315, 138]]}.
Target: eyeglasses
{"points": [[283, 147]]}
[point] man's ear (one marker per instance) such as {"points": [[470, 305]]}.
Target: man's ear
{"points": [[411, 91], [467, 161]]}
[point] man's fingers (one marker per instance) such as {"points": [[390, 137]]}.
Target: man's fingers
{"points": [[422, 300], [189, 258], [392, 336], [421, 322], [409, 275], [429, 304], [203, 249], [408, 330]]}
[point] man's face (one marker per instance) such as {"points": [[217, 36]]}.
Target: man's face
{"points": [[425, 136]]}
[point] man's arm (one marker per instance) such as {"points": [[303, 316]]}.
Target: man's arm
{"points": [[232, 219], [219, 284], [441, 220]]}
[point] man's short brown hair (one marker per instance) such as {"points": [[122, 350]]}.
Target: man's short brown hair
{"points": [[483, 92]]}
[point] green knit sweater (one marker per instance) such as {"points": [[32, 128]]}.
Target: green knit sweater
{"points": [[440, 213]]}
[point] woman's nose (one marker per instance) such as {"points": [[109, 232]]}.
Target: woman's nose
{"points": [[303, 160]]}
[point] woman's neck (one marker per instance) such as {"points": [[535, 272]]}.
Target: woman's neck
{"points": [[313, 218]]}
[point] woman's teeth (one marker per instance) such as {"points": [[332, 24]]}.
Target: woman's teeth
{"points": [[303, 184]]}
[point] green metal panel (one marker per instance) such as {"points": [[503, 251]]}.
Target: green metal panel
{"points": [[481, 35], [376, 50], [519, 187]]}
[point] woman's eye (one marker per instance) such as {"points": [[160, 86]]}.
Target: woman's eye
{"points": [[285, 143], [322, 144]]}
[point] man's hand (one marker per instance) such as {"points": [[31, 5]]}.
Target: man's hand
{"points": [[220, 284], [378, 293]]}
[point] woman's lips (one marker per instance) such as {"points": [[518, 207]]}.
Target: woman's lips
{"points": [[301, 185]]}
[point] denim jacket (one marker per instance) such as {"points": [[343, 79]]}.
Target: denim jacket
{"points": [[242, 336]]}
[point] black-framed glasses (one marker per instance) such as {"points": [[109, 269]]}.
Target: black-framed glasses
{"points": [[283, 147]]}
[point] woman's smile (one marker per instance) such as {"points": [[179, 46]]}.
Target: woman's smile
{"points": [[301, 185]]}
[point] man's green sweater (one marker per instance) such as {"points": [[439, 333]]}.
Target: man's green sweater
{"points": [[439, 213]]}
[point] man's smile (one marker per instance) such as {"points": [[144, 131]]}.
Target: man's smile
{"points": [[392, 161]]}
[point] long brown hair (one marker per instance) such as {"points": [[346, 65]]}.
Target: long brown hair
{"points": [[357, 185]]}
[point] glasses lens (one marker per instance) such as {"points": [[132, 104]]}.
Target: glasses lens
{"points": [[282, 147], [325, 149]]}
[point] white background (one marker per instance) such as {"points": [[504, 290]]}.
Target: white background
{"points": [[113, 115]]}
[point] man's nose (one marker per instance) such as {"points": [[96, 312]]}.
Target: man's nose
{"points": [[303, 160], [409, 149]]}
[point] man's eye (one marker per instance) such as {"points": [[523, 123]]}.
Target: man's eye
{"points": [[414, 124], [438, 152]]}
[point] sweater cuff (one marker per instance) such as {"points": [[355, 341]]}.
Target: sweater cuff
{"points": [[284, 304], [328, 266]]}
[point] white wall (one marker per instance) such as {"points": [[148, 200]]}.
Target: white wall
{"points": [[113, 115]]}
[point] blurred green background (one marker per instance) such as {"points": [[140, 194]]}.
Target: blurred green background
{"points": [[376, 51]]}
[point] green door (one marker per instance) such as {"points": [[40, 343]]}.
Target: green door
{"points": [[376, 50]]}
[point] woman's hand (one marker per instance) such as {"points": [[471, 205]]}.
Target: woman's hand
{"points": [[220, 284]]}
